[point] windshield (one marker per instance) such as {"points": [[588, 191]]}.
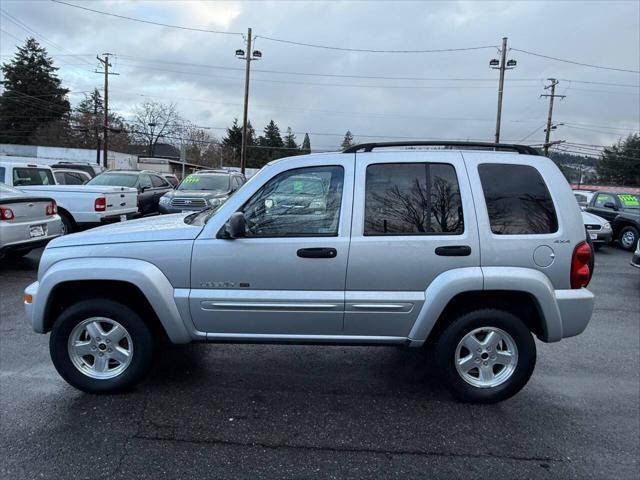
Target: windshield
{"points": [[115, 179], [205, 182], [30, 176], [629, 200]]}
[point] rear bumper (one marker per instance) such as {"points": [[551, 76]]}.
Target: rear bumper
{"points": [[15, 236], [576, 307], [111, 219]]}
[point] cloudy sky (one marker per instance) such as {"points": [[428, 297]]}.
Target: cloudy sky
{"points": [[325, 91]]}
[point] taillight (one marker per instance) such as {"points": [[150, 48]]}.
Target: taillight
{"points": [[101, 204], [6, 214], [580, 271], [52, 208]]}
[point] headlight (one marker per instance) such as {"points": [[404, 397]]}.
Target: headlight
{"points": [[214, 202], [606, 226], [164, 200]]}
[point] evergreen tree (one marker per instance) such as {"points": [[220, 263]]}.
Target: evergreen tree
{"points": [[306, 145], [620, 163], [347, 141], [271, 137], [33, 95], [91, 104], [290, 142]]}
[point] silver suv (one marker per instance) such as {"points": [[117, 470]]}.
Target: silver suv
{"points": [[469, 250]]}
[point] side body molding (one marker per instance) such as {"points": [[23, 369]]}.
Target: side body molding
{"points": [[443, 288], [144, 275]]}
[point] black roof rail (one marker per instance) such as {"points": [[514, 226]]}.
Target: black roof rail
{"points": [[368, 147]]}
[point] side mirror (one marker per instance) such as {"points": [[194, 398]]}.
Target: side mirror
{"points": [[610, 205], [236, 226]]}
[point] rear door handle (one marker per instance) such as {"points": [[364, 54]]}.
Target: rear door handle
{"points": [[454, 251], [317, 253]]}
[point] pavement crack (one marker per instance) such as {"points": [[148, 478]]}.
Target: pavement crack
{"points": [[376, 451]]}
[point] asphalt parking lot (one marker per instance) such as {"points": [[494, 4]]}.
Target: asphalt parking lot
{"points": [[236, 411]]}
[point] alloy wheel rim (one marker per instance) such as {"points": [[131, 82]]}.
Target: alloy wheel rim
{"points": [[100, 348], [486, 357], [628, 239]]}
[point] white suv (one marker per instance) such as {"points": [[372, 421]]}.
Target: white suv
{"points": [[469, 250]]}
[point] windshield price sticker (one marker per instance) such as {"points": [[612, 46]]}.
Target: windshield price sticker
{"points": [[191, 179], [629, 200]]}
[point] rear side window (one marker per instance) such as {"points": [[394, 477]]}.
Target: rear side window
{"points": [[2, 174], [158, 182], [412, 199], [32, 176], [518, 200]]}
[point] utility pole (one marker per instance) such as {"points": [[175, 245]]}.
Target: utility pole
{"points": [[550, 127], [95, 123], [248, 56], [105, 127], [503, 65]]}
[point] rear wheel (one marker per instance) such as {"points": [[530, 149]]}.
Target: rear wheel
{"points": [[628, 238], [101, 346], [68, 226], [485, 356]]}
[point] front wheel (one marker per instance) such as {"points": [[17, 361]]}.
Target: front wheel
{"points": [[485, 356], [101, 346], [628, 238]]}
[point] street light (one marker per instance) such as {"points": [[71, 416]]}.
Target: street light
{"points": [[503, 64]]}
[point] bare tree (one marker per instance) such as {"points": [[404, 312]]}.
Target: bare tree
{"points": [[155, 121]]}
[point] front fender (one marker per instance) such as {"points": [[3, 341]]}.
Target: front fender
{"points": [[147, 277]]}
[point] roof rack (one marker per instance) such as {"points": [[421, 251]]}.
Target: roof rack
{"points": [[521, 149]]}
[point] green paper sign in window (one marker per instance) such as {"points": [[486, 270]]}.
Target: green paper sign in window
{"points": [[298, 186], [629, 200], [191, 179]]}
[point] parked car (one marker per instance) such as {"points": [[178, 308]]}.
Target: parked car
{"points": [[26, 222], [623, 211], [150, 185], [583, 197], [598, 228], [206, 188], [635, 260], [465, 250], [71, 177], [78, 205], [172, 179], [92, 169]]}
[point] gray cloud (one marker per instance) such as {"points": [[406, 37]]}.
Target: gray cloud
{"points": [[604, 33]]}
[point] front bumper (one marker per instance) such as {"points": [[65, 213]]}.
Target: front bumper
{"points": [[635, 261], [169, 209], [31, 292], [576, 307]]}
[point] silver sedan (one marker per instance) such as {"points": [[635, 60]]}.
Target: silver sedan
{"points": [[26, 222]]}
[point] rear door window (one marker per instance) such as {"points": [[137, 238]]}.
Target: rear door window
{"points": [[158, 182], [412, 199], [518, 201], [32, 176]]}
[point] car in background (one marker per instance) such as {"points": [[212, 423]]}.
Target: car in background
{"points": [[623, 211], [598, 229], [26, 221], [92, 169], [150, 185], [78, 205], [172, 179], [66, 176], [583, 197], [635, 260], [202, 189]]}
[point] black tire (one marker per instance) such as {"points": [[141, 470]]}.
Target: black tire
{"points": [[447, 343], [629, 231], [68, 224], [139, 332]]}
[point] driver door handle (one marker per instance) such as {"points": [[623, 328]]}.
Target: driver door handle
{"points": [[454, 251], [317, 253]]}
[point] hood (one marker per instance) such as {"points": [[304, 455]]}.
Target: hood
{"points": [[157, 228], [197, 194], [592, 219]]}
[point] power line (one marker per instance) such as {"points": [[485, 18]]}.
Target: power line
{"points": [[150, 22], [574, 62]]}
